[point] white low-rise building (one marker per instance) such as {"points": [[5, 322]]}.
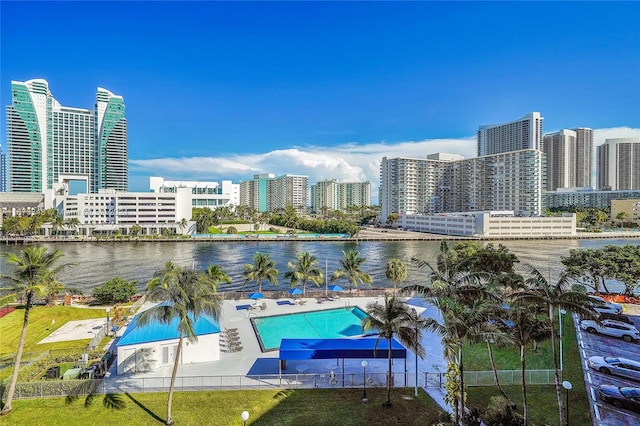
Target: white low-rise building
{"points": [[154, 345], [490, 224], [203, 194]]}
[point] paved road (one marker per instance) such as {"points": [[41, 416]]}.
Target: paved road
{"points": [[604, 414]]}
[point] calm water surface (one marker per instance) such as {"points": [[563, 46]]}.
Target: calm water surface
{"points": [[99, 262]]}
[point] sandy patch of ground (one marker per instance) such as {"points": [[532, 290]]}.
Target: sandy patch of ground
{"points": [[76, 330]]}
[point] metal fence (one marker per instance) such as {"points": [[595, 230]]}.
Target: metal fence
{"points": [[52, 388], [57, 388], [509, 377]]}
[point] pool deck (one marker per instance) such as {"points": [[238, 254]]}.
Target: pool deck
{"points": [[251, 361]]}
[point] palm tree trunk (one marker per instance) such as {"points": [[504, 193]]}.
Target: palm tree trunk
{"points": [[495, 373], [174, 373], [16, 368], [389, 377], [462, 402], [525, 409], [556, 369]]}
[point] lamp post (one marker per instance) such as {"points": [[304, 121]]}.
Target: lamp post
{"points": [[244, 416], [364, 381], [567, 386], [415, 313], [561, 313], [107, 330]]}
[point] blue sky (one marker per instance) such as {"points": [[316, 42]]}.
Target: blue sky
{"points": [[219, 90]]}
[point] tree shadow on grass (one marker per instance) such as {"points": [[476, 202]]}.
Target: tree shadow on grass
{"points": [[145, 409]]}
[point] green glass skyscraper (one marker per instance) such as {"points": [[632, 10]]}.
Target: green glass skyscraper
{"points": [[46, 139]]}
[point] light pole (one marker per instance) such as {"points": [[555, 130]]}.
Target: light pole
{"points": [[244, 416], [567, 386], [107, 333], [364, 381], [561, 313], [415, 313]]}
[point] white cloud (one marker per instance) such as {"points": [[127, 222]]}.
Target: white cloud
{"points": [[599, 135], [346, 162]]}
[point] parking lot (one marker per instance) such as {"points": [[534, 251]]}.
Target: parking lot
{"points": [[599, 345]]}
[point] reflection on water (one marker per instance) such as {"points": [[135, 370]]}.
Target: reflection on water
{"points": [[99, 262]]}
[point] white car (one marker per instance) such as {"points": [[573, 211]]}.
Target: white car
{"points": [[613, 328], [622, 367], [602, 306]]}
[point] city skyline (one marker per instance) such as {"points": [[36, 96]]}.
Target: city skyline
{"points": [[326, 89]]}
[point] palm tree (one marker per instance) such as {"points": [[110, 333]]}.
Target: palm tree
{"points": [[527, 328], [551, 297], [34, 269], [263, 268], [217, 275], [185, 295], [303, 270], [396, 271], [351, 263], [394, 318]]}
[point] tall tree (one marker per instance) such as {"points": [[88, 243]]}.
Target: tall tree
{"points": [[263, 268], [394, 318], [34, 268], [351, 263], [304, 270], [185, 295], [561, 295], [396, 272]]}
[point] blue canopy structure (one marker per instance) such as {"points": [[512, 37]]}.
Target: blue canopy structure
{"points": [[362, 348], [335, 287], [295, 291], [256, 295]]}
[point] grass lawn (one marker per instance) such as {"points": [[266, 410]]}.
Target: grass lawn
{"points": [[273, 407], [40, 327], [542, 401]]}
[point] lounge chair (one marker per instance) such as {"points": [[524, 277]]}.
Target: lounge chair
{"points": [[243, 307], [284, 302]]}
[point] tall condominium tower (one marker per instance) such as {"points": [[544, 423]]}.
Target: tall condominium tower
{"points": [[46, 140], [506, 181], [619, 164], [339, 195], [584, 157], [266, 192], [525, 133], [569, 158]]}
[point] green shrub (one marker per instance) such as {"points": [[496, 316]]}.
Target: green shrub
{"points": [[115, 290]]}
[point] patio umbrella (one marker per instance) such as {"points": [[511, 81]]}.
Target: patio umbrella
{"points": [[335, 287], [295, 291], [256, 295]]}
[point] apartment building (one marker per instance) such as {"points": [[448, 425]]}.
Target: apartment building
{"points": [[569, 158], [524, 133], [618, 166], [267, 192], [335, 195], [46, 139], [438, 184], [585, 197]]}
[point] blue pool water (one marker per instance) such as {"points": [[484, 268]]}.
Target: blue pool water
{"points": [[327, 324]]}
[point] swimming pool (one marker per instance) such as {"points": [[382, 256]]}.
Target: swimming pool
{"points": [[328, 324]]}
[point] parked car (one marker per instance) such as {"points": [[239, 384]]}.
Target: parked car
{"points": [[602, 306], [621, 397], [613, 328], [622, 367], [615, 317]]}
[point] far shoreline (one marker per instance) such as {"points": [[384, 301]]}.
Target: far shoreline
{"points": [[377, 234]]}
